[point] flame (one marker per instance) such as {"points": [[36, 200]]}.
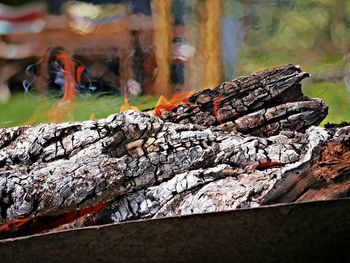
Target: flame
{"points": [[68, 71], [80, 70], [64, 108], [164, 104], [126, 106], [37, 112], [211, 43], [92, 116]]}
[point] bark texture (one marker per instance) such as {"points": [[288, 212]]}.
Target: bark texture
{"points": [[245, 143], [289, 167], [261, 104]]}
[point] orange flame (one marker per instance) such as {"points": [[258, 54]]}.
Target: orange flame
{"points": [[164, 104], [126, 106], [68, 72], [80, 70], [37, 112], [64, 108], [92, 116]]}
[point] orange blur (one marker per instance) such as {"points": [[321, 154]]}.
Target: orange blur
{"points": [[211, 43], [80, 70], [161, 10], [68, 72], [164, 104], [92, 116], [65, 107]]}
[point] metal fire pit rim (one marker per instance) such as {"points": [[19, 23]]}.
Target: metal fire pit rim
{"points": [[286, 209]]}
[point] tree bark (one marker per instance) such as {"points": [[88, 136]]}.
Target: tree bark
{"points": [[202, 156], [252, 171], [261, 104]]}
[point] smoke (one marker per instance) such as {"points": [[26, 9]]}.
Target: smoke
{"points": [[231, 41]]}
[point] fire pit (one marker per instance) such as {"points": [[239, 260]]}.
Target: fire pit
{"points": [[254, 147], [316, 231]]}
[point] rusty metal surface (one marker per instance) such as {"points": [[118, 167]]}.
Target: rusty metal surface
{"points": [[305, 232]]}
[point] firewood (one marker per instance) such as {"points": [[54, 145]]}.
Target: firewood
{"points": [[261, 104], [308, 169], [257, 146]]}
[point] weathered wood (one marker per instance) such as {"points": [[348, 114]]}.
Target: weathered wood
{"points": [[193, 159], [236, 183], [261, 104], [56, 168]]}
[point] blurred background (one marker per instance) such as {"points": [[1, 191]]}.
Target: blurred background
{"points": [[77, 60]]}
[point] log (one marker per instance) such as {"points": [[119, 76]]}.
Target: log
{"points": [[300, 167], [257, 146], [261, 104]]}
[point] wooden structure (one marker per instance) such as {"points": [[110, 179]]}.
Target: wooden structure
{"points": [[115, 40]]}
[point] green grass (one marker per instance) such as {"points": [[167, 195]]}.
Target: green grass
{"points": [[22, 108], [336, 96]]}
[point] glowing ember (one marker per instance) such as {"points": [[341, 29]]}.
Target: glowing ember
{"points": [[268, 164], [34, 225], [216, 107], [13, 226], [164, 104]]}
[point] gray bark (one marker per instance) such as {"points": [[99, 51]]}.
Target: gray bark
{"points": [[234, 182], [56, 168]]}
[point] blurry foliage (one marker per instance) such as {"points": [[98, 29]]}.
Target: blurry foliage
{"points": [[294, 31], [335, 95], [314, 34]]}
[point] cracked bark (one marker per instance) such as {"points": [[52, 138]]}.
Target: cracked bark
{"points": [[261, 104], [248, 142]]}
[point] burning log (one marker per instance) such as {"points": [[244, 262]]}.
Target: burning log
{"points": [[261, 104], [207, 154]]}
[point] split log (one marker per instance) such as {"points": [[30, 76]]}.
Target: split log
{"points": [[193, 159]]}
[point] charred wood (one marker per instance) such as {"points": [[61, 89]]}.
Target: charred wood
{"points": [[246, 143]]}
